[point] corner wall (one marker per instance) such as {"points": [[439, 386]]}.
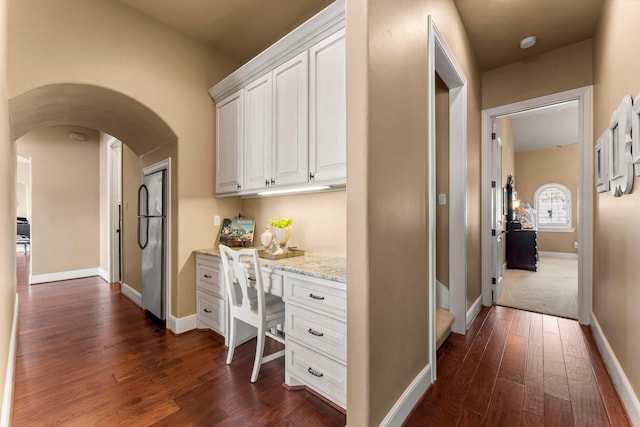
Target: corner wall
{"points": [[387, 233], [616, 288], [7, 229]]}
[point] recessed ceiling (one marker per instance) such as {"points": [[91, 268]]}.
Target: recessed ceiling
{"points": [[239, 29], [495, 27], [547, 127]]}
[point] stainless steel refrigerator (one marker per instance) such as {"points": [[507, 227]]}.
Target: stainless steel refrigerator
{"points": [[151, 235]]}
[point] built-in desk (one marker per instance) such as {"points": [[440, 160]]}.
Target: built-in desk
{"points": [[314, 289]]}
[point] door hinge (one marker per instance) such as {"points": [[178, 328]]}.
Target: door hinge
{"points": [[493, 232], [493, 184], [493, 136], [493, 281]]}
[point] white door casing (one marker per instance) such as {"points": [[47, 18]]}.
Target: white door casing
{"points": [[585, 191], [497, 237]]}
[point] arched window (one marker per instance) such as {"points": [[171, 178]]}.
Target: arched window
{"points": [[553, 208]]}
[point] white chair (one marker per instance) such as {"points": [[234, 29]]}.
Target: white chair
{"points": [[248, 302]]}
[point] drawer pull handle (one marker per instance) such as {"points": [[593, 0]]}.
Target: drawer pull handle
{"points": [[316, 333], [207, 310], [207, 276], [315, 373], [316, 297]]}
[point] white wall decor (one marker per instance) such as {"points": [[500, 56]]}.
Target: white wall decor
{"points": [[620, 159], [635, 133], [601, 163]]}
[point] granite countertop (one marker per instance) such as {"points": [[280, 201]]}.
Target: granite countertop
{"points": [[323, 267]]}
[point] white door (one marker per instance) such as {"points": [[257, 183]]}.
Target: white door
{"points": [[497, 214], [257, 133], [290, 121], [327, 114], [229, 134]]}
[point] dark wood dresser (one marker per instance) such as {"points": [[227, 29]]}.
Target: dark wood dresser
{"points": [[522, 249]]}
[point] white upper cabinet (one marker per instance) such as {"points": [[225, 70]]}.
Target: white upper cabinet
{"points": [[291, 121], [229, 140], [327, 110], [258, 132]]}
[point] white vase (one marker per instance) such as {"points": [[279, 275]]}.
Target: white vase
{"points": [[282, 235], [266, 238]]}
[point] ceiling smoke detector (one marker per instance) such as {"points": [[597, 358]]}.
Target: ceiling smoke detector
{"points": [[527, 42]]}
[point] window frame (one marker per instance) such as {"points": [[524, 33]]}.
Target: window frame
{"points": [[566, 227]]}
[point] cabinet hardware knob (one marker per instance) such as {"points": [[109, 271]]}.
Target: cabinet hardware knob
{"points": [[312, 176], [239, 186], [266, 182], [316, 297], [207, 276], [316, 333], [206, 310], [315, 373], [273, 181]]}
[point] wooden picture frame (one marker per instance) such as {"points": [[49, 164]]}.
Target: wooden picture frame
{"points": [[237, 232]]}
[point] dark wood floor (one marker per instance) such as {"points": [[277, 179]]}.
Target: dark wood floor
{"points": [[516, 368], [88, 356]]}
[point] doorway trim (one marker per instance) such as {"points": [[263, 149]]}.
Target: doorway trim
{"points": [[442, 62], [585, 190], [171, 322], [112, 144]]}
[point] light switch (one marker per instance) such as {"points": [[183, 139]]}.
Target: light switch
{"points": [[442, 199], [216, 220]]}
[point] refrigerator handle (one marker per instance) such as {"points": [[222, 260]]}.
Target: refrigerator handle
{"points": [[141, 216]]}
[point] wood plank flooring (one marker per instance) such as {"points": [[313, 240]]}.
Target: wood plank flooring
{"points": [[88, 356], [517, 368]]}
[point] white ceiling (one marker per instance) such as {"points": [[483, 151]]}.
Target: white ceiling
{"points": [[547, 127]]}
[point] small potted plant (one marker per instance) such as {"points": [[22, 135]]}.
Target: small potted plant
{"points": [[282, 230]]}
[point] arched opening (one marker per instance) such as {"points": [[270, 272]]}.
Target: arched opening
{"points": [[146, 136]]}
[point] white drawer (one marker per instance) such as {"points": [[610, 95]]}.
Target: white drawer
{"points": [[211, 310], [319, 332], [325, 376], [209, 279], [317, 296]]}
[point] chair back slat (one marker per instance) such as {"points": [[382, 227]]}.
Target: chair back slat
{"points": [[236, 267]]}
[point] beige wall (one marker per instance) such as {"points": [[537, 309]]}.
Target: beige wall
{"points": [[562, 69], [319, 220], [540, 167], [110, 45], [7, 215], [131, 180], [388, 301], [65, 197], [23, 188], [616, 232], [442, 181]]}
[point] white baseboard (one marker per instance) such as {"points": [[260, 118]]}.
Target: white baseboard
{"points": [[474, 310], [558, 254], [442, 295], [104, 274], [619, 378], [63, 275], [5, 415], [409, 399], [179, 325], [131, 293]]}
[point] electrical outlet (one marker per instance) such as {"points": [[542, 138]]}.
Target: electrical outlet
{"points": [[442, 199], [216, 220]]}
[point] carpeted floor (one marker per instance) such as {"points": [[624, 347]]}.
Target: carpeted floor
{"points": [[553, 289]]}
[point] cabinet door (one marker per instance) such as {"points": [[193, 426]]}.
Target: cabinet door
{"points": [[257, 127], [229, 136], [290, 121], [327, 114]]}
